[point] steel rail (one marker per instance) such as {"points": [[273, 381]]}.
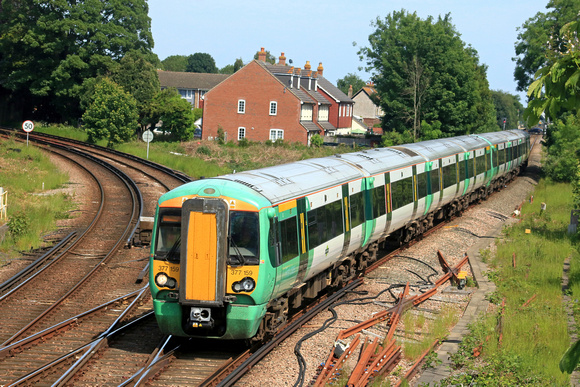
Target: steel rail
{"points": [[18, 346], [135, 195]]}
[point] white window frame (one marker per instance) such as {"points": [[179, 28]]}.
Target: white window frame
{"points": [[241, 133], [241, 106], [274, 105], [276, 134]]}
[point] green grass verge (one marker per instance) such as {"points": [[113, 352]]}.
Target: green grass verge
{"points": [[28, 176], [534, 337]]}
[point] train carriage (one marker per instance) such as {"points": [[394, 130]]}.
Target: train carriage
{"points": [[231, 255]]}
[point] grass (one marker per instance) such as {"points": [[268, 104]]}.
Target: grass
{"points": [[199, 158], [27, 175], [534, 337], [436, 329]]}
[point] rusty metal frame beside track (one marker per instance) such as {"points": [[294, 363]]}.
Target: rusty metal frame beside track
{"points": [[376, 359]]}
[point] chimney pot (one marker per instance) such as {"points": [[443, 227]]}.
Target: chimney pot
{"points": [[350, 91], [320, 69], [307, 65], [282, 60], [262, 55]]}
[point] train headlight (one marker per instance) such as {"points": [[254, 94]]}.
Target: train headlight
{"points": [[246, 285], [164, 281], [161, 280]]}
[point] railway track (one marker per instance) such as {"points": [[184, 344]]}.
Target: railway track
{"points": [[44, 327], [119, 357]]}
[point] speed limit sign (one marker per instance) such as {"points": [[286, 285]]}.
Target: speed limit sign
{"points": [[28, 126]]}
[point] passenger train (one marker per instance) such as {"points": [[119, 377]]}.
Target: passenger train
{"points": [[231, 255]]}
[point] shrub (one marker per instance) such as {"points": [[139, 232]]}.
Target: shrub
{"points": [[18, 224]]}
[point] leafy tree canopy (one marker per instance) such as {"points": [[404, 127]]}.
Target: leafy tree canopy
{"points": [[48, 48], [201, 62], [232, 68], [112, 114], [350, 79], [507, 106], [138, 77], [424, 72], [530, 47], [175, 63], [175, 113], [556, 87]]}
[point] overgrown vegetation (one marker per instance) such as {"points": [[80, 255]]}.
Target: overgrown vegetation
{"points": [[534, 336], [211, 158], [28, 176]]}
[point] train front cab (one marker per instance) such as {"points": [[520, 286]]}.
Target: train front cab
{"points": [[206, 268]]}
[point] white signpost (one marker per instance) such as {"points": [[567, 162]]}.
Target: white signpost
{"points": [[148, 137], [27, 126]]}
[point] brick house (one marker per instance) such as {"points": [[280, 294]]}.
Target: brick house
{"points": [[366, 107], [263, 102], [191, 86]]}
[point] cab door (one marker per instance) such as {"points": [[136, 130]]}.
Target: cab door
{"points": [[203, 251]]}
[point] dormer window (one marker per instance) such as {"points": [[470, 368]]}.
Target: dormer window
{"points": [[241, 106]]}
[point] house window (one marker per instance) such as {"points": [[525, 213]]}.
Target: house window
{"points": [[323, 113], [276, 134], [306, 113], [241, 106], [273, 108], [241, 133]]}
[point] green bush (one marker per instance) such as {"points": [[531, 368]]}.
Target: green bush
{"points": [[18, 224]]}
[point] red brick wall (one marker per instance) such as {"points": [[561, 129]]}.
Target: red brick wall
{"points": [[257, 87]]}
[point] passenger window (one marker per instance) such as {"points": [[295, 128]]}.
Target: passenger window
{"points": [[435, 180], [421, 185], [402, 192], [289, 235], [379, 204], [357, 211], [449, 175]]}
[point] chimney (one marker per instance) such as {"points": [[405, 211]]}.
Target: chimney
{"points": [[320, 69], [307, 66], [262, 55], [350, 91], [282, 60]]}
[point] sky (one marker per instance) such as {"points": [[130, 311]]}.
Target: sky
{"points": [[331, 32]]}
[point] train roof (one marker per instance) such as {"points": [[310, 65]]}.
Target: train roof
{"points": [[284, 182]]}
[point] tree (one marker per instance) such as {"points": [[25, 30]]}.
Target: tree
{"points": [[175, 113], [530, 47], [201, 63], [232, 68], [138, 77], [507, 106], [348, 80], [238, 64], [175, 63], [112, 115], [424, 72], [48, 48], [557, 85]]}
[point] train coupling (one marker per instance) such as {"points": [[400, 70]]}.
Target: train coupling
{"points": [[200, 318]]}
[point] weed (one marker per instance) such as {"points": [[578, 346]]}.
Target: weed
{"points": [[18, 224]]}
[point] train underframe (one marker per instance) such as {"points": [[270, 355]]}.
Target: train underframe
{"points": [[354, 264]]}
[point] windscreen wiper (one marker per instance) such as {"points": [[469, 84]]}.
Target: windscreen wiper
{"points": [[240, 256], [171, 253]]}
